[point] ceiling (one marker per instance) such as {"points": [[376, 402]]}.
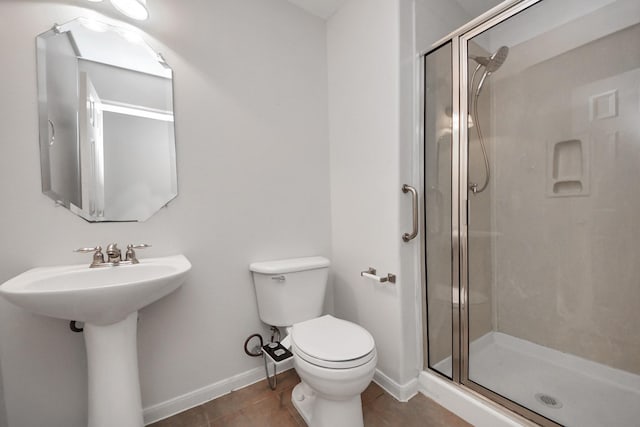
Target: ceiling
{"points": [[325, 8], [477, 7], [322, 8]]}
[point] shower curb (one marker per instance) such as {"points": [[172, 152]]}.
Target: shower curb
{"points": [[467, 405]]}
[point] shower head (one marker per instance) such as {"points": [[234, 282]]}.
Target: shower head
{"points": [[490, 64], [493, 62]]}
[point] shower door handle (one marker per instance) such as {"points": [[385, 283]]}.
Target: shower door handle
{"points": [[414, 204]]}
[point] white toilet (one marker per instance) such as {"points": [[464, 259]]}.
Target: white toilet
{"points": [[335, 359]]}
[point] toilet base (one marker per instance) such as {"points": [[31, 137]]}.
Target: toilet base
{"points": [[303, 400], [320, 412]]}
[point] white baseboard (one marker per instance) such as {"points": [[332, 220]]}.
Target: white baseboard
{"points": [[465, 404], [402, 392], [160, 411], [202, 395]]}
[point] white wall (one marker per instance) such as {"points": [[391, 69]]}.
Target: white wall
{"points": [[254, 166], [374, 147], [253, 171], [369, 211], [437, 18]]}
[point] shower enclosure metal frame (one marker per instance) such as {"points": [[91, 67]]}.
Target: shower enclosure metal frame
{"points": [[459, 198]]}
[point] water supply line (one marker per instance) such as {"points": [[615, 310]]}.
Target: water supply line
{"points": [[274, 384], [257, 351], [73, 325]]}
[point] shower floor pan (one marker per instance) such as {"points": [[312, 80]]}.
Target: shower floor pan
{"points": [[567, 389]]}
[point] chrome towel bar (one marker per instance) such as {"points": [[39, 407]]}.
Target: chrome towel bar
{"points": [[371, 274], [414, 200]]}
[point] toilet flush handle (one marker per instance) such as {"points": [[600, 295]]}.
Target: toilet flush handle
{"points": [[280, 278]]}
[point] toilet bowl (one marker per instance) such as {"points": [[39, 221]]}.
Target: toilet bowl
{"points": [[336, 361], [334, 358]]}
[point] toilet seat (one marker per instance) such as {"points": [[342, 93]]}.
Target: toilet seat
{"points": [[332, 343], [345, 364]]}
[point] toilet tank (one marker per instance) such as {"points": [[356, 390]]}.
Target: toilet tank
{"points": [[290, 290]]}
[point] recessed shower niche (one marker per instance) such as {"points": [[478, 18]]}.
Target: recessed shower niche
{"points": [[568, 167]]}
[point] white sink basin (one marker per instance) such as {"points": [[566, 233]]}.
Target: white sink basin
{"points": [[100, 296], [107, 299]]}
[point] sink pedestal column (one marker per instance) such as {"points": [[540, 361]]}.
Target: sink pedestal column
{"points": [[114, 384]]}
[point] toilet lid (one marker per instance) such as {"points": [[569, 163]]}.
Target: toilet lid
{"points": [[332, 340]]}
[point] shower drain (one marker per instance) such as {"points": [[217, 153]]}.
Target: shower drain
{"points": [[549, 401]]}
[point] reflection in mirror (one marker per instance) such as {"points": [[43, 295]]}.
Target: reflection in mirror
{"points": [[107, 144]]}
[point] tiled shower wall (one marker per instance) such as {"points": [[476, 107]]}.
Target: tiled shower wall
{"points": [[566, 268]]}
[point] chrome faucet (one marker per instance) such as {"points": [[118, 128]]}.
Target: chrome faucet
{"points": [[114, 255]]}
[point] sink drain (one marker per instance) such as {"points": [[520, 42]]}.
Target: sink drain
{"points": [[548, 400]]}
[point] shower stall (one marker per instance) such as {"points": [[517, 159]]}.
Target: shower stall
{"points": [[531, 125]]}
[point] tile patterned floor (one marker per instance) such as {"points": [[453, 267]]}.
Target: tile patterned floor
{"points": [[259, 406]]}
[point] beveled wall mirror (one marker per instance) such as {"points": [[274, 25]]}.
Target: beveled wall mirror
{"points": [[107, 140]]}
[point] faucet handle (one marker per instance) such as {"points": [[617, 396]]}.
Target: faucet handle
{"points": [[138, 246], [131, 254], [98, 257], [87, 250]]}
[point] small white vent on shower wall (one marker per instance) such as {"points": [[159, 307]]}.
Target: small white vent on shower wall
{"points": [[568, 168], [604, 105]]}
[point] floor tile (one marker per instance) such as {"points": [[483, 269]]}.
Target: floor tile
{"points": [[194, 417], [259, 406]]}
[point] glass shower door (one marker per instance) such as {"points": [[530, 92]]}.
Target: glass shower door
{"points": [[551, 158], [438, 198]]}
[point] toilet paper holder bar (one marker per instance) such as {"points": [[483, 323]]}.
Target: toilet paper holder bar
{"points": [[371, 274]]}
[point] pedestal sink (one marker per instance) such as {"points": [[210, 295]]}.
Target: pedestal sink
{"points": [[107, 300]]}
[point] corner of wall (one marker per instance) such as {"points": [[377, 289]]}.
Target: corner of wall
{"points": [[3, 406]]}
